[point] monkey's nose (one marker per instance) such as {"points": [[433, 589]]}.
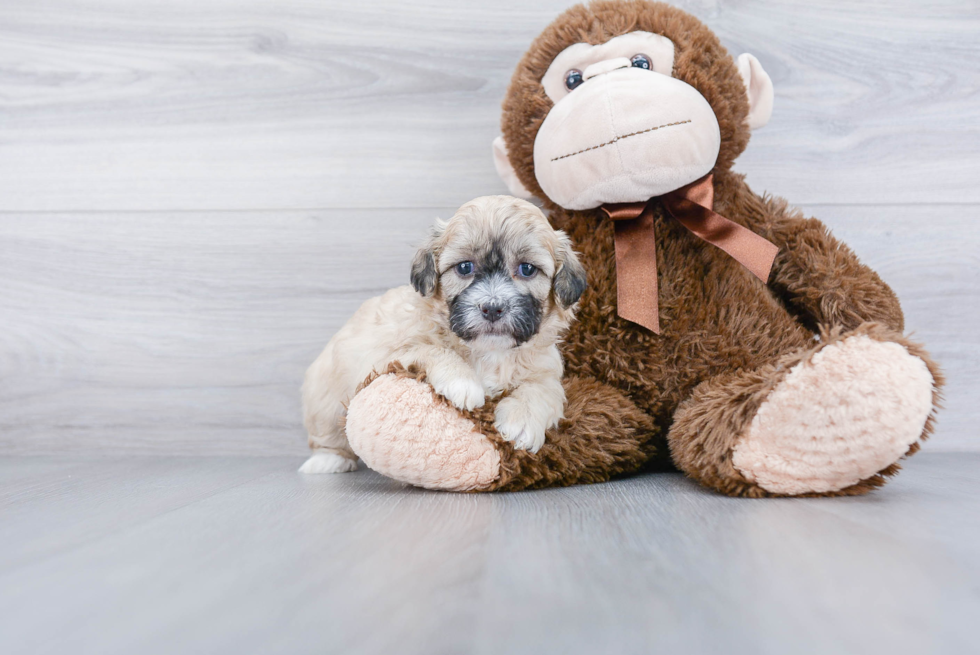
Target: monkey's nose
{"points": [[492, 311], [605, 66]]}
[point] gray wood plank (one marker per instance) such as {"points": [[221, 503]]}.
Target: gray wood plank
{"points": [[258, 104], [356, 563], [180, 333], [52, 505], [189, 333]]}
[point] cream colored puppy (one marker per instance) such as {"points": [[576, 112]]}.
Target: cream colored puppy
{"points": [[493, 290]]}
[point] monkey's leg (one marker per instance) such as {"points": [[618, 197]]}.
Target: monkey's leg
{"points": [[402, 429], [833, 420]]}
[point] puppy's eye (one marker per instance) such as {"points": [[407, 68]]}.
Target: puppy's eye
{"points": [[464, 268], [573, 78], [526, 270], [640, 61]]}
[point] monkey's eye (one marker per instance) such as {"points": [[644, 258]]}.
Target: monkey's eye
{"points": [[464, 268], [573, 78], [527, 270], [640, 61]]}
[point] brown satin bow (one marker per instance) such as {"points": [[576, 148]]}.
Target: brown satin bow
{"points": [[636, 245]]}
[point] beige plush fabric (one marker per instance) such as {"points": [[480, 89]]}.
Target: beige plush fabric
{"points": [[758, 86], [414, 437], [505, 171], [851, 410], [583, 56], [625, 136]]}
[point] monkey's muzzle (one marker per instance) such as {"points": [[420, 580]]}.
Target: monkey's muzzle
{"points": [[625, 136]]}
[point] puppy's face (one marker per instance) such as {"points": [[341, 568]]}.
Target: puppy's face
{"points": [[500, 269]]}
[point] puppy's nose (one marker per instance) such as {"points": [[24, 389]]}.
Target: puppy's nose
{"points": [[492, 311]]}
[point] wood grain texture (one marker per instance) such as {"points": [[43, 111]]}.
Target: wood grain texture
{"points": [[254, 104], [180, 333], [233, 178], [85, 500], [226, 555], [189, 333]]}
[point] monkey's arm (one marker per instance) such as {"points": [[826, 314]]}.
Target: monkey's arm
{"points": [[821, 278], [402, 430]]}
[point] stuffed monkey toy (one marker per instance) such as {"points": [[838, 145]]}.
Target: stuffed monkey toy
{"points": [[721, 333]]}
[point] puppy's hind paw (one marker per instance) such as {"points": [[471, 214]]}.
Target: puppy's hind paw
{"points": [[515, 426], [464, 393], [328, 463]]}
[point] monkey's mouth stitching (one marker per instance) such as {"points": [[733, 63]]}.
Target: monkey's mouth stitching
{"points": [[620, 138]]}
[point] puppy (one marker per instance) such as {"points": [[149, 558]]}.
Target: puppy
{"points": [[492, 292]]}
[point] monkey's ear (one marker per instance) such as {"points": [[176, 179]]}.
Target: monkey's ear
{"points": [[506, 171], [758, 85], [424, 272], [569, 282]]}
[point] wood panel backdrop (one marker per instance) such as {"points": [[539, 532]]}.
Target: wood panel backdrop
{"points": [[194, 195]]}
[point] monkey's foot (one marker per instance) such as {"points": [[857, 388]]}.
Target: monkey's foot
{"points": [[403, 430], [839, 417]]}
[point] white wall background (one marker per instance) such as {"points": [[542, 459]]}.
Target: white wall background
{"points": [[195, 194]]}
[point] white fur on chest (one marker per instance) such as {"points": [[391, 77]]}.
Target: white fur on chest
{"points": [[501, 369]]}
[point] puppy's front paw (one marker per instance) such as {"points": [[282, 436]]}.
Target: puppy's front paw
{"points": [[464, 393], [515, 424], [326, 462]]}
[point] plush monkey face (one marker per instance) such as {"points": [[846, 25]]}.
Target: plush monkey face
{"points": [[622, 129], [625, 117]]}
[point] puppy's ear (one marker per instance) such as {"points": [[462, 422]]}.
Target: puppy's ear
{"points": [[424, 272], [569, 282]]}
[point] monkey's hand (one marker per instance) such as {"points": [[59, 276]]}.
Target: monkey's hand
{"points": [[401, 429]]}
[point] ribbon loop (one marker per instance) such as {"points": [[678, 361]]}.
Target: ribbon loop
{"points": [[636, 246]]}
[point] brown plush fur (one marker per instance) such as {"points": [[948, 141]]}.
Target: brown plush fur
{"points": [[707, 425], [699, 60], [727, 339], [603, 435]]}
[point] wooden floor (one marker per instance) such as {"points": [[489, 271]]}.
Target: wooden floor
{"points": [[244, 555]]}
